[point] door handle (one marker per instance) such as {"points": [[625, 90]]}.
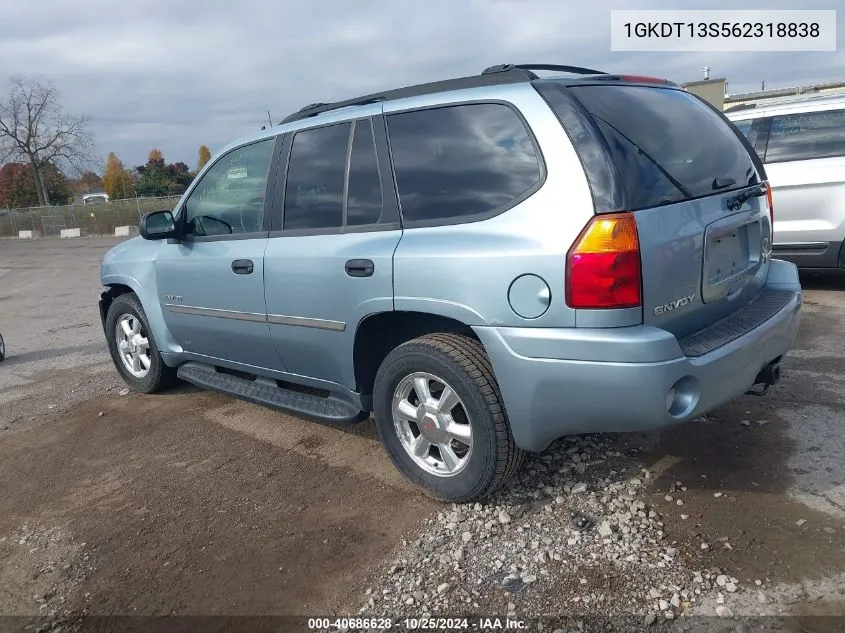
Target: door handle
{"points": [[243, 267], [360, 268]]}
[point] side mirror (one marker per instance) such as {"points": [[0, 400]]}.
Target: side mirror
{"points": [[157, 225]]}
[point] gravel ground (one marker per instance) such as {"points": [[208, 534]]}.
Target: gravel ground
{"points": [[54, 566], [575, 535], [56, 355]]}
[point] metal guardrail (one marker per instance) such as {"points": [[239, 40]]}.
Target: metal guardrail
{"points": [[92, 219]]}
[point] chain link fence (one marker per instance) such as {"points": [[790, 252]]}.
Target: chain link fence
{"points": [[92, 219]]}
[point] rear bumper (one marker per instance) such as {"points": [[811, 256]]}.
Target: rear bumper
{"points": [[557, 382]]}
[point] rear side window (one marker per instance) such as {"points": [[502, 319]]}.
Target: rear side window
{"points": [[665, 145], [363, 200], [314, 189], [460, 162], [806, 135]]}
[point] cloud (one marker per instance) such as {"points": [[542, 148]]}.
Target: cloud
{"points": [[174, 75]]}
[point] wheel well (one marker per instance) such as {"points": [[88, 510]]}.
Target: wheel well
{"points": [[110, 295], [379, 334]]}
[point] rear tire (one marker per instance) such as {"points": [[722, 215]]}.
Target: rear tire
{"points": [[133, 348], [455, 440], [2, 348]]}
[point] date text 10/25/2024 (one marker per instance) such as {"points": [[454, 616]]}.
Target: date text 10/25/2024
{"points": [[416, 624]]}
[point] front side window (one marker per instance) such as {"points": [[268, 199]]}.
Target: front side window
{"points": [[230, 197], [806, 135], [460, 161]]}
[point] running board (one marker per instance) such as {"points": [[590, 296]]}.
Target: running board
{"points": [[265, 392]]}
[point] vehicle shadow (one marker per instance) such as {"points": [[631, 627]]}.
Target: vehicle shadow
{"points": [[823, 280], [51, 353]]}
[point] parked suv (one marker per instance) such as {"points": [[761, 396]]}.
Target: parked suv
{"points": [[485, 263], [802, 142]]}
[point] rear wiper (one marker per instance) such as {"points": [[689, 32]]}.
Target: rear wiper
{"points": [[739, 199], [721, 183]]}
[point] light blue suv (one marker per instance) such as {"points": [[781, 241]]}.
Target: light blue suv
{"points": [[485, 263]]}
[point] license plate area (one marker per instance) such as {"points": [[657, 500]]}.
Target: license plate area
{"points": [[731, 257]]}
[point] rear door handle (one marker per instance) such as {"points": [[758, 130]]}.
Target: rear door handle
{"points": [[360, 268], [243, 267]]}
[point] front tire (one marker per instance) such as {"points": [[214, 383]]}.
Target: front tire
{"points": [[133, 348], [440, 417]]}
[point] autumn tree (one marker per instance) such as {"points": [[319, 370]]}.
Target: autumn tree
{"points": [[117, 180], [180, 176], [203, 156], [18, 187], [113, 177], [158, 178], [155, 157], [34, 129], [87, 182], [58, 186], [153, 180]]}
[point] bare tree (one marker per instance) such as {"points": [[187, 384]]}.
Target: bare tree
{"points": [[35, 129]]}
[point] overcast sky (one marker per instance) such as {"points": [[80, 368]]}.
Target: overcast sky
{"points": [[174, 74]]}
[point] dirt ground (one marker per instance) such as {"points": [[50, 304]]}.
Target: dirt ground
{"points": [[191, 503]]}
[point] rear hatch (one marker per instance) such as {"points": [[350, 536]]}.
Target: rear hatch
{"points": [[696, 188]]}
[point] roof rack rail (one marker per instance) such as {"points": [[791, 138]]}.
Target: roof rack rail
{"points": [[492, 76], [507, 76], [575, 70], [314, 109], [311, 106]]}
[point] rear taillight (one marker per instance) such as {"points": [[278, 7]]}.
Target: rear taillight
{"points": [[771, 207], [603, 266]]}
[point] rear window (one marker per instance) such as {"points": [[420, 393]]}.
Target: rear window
{"points": [[665, 145], [806, 135]]}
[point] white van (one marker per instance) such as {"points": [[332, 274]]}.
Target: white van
{"points": [[802, 143]]}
